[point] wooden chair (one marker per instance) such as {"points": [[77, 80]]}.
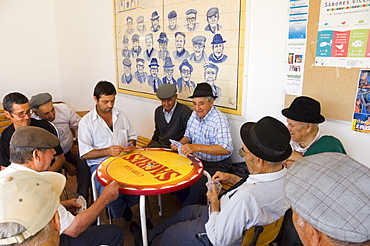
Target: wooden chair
{"points": [[4, 121], [262, 235]]}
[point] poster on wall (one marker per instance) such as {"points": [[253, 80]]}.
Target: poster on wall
{"points": [[343, 38], [361, 115], [182, 43], [296, 47]]}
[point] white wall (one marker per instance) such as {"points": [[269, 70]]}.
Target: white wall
{"points": [[85, 55], [28, 55]]}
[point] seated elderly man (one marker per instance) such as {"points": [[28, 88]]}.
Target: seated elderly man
{"points": [[303, 118], [170, 118], [31, 150], [28, 209], [208, 137], [64, 119], [256, 200], [329, 194]]}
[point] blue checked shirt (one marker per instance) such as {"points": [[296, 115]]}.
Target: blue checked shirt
{"points": [[213, 129]]}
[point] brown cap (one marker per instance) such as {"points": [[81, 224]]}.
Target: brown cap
{"points": [[31, 136]]}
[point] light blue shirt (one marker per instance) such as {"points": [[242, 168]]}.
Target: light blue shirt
{"points": [[168, 116], [213, 129]]}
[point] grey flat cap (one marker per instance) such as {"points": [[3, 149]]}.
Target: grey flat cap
{"points": [[40, 99], [140, 19], [212, 11], [191, 11], [126, 62], [199, 39], [32, 136], [331, 191], [166, 91]]}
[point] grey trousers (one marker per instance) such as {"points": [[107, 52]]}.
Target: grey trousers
{"points": [[183, 229]]}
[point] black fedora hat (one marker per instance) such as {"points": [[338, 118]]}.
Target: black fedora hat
{"points": [[203, 90], [267, 139], [304, 109]]}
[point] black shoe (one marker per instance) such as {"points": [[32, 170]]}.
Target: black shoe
{"points": [[135, 230], [127, 214]]}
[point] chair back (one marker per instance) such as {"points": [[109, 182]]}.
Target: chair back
{"points": [[262, 235]]}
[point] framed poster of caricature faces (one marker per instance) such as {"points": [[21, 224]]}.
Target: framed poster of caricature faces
{"points": [[183, 43]]}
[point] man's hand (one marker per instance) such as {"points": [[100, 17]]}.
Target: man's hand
{"points": [[129, 148], [295, 156], [226, 178], [213, 199], [189, 149], [71, 205], [115, 150], [173, 147], [110, 192]]}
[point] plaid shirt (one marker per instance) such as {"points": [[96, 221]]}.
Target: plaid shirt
{"points": [[213, 129]]}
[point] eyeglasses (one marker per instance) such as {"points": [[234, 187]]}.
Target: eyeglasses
{"points": [[242, 152], [184, 71], [198, 45], [23, 114]]}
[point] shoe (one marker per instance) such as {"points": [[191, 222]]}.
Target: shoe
{"points": [[127, 214], [135, 230]]}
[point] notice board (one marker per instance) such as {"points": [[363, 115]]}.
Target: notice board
{"points": [[334, 87]]}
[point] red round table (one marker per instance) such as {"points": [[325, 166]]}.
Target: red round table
{"points": [[150, 171]]}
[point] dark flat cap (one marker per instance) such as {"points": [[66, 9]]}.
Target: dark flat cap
{"points": [[331, 191], [166, 91], [40, 99], [32, 136]]}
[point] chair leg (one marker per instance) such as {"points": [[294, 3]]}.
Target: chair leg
{"points": [[109, 216], [160, 204], [147, 207], [95, 193]]}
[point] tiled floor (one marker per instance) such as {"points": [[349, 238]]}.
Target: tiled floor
{"points": [[169, 203]]}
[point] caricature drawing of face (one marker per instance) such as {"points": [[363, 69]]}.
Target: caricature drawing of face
{"points": [[135, 45], [210, 75], [172, 23], [127, 70], [213, 20], [198, 48], [149, 43], [191, 18], [218, 49], [125, 46], [185, 73], [163, 46], [155, 23], [180, 43], [154, 72], [169, 73], [140, 66], [140, 26], [129, 24]]}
